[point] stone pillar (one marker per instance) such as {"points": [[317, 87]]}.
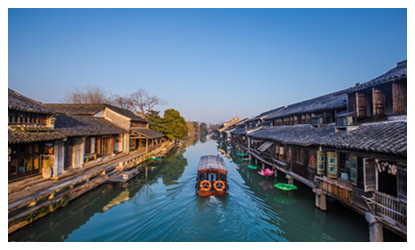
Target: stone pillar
{"points": [[82, 153], [146, 172], [58, 160], [275, 172], [323, 202], [320, 200], [290, 179], [375, 228], [93, 145], [77, 152]]}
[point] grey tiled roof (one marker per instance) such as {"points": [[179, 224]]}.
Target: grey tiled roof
{"points": [[381, 137], [336, 100], [395, 74], [239, 131], [301, 134], [127, 113], [148, 132], [81, 125], [22, 103], [266, 113], [75, 109], [384, 137], [18, 135], [91, 109]]}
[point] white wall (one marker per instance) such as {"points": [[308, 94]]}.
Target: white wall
{"points": [[59, 158]]}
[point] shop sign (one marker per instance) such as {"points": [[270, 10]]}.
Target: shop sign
{"points": [[332, 167], [321, 162]]}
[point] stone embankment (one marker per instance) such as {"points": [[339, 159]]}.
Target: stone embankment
{"points": [[33, 198]]}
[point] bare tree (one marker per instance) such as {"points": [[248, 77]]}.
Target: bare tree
{"points": [[139, 101], [121, 101], [91, 95]]}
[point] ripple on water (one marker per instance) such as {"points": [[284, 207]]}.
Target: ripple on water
{"points": [[165, 207]]}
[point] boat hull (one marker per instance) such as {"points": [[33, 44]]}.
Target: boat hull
{"points": [[208, 193]]}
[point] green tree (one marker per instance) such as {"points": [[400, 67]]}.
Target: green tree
{"points": [[155, 122], [191, 128], [172, 124], [197, 127], [203, 128], [175, 124]]}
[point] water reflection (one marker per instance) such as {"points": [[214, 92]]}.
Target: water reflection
{"points": [[291, 216], [161, 204], [174, 170]]}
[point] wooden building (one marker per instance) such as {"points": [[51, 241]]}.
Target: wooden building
{"points": [[139, 136], [34, 143], [350, 145], [87, 138], [225, 126], [239, 135], [320, 110]]}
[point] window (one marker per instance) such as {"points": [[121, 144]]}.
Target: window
{"points": [[299, 155], [88, 145], [279, 152]]}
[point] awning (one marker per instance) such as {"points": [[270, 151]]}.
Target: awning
{"points": [[265, 146]]}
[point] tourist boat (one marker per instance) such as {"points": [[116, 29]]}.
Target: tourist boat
{"points": [[211, 176]]}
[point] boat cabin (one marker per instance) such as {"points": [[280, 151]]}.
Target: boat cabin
{"points": [[211, 176]]}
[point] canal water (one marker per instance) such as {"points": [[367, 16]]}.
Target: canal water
{"points": [[162, 205]]}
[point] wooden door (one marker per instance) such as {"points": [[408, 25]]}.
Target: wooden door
{"points": [[399, 94], [68, 154], [361, 104], [378, 102], [369, 174]]}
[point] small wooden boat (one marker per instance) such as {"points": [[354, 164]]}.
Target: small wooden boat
{"points": [[211, 176]]}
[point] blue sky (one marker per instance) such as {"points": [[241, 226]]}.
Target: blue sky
{"points": [[210, 64]]}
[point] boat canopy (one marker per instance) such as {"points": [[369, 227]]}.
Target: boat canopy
{"points": [[211, 162]]}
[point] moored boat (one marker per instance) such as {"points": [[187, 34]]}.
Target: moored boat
{"points": [[211, 176]]}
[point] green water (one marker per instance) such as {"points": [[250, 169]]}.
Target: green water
{"points": [[165, 207]]}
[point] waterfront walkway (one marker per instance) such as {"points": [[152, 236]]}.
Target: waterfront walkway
{"points": [[29, 199]]}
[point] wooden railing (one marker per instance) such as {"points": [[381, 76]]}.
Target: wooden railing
{"points": [[389, 209], [335, 188]]}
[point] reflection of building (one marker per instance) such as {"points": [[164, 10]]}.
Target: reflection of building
{"points": [[350, 145]]}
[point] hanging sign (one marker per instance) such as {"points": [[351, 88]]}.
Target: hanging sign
{"points": [[353, 169], [386, 166], [332, 167], [321, 162], [312, 161]]}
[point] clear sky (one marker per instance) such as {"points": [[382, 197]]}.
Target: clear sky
{"points": [[210, 64]]}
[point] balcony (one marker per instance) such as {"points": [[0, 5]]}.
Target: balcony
{"points": [[388, 209], [335, 188]]}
